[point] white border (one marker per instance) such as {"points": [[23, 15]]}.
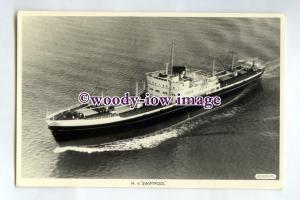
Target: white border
{"points": [[259, 184]]}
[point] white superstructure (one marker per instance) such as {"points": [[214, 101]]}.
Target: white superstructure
{"points": [[182, 81]]}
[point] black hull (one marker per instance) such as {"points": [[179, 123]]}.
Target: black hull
{"points": [[124, 129]]}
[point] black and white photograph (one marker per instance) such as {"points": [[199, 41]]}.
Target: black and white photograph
{"points": [[183, 100]]}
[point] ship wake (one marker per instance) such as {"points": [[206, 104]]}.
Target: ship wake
{"points": [[272, 69], [154, 139]]}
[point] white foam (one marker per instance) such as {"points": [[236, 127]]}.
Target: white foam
{"points": [[272, 69], [145, 142], [271, 118]]}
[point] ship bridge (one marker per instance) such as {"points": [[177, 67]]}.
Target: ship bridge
{"points": [[179, 79]]}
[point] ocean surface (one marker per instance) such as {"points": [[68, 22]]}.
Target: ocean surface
{"points": [[63, 56]]}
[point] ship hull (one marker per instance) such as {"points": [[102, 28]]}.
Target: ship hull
{"points": [[62, 133]]}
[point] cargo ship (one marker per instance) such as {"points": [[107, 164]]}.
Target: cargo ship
{"points": [[88, 120]]}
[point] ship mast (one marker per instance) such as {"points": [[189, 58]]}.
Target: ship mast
{"points": [[233, 59], [213, 67], [167, 68], [172, 57], [136, 88]]}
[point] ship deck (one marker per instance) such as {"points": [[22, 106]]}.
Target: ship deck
{"points": [[230, 79]]}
